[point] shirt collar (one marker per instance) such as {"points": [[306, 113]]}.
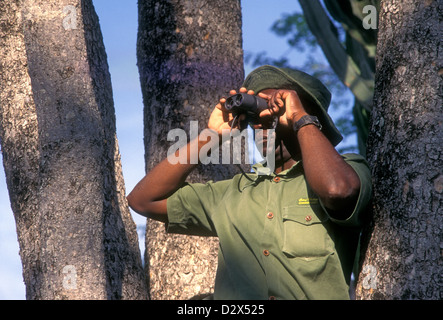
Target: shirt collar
{"points": [[263, 172], [261, 169]]}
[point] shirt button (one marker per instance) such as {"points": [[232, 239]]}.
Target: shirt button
{"points": [[266, 252], [270, 215], [308, 218], [277, 179]]}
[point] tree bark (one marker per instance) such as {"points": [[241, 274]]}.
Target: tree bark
{"points": [[189, 55], [57, 126], [404, 243]]}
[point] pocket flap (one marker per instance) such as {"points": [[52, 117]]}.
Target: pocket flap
{"points": [[305, 215]]}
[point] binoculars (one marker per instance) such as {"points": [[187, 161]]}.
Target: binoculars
{"points": [[247, 104]]}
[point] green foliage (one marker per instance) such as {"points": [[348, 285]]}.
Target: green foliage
{"points": [[295, 28]]}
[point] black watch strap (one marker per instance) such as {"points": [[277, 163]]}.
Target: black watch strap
{"points": [[305, 120]]}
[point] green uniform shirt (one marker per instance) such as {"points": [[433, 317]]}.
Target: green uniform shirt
{"points": [[276, 239]]}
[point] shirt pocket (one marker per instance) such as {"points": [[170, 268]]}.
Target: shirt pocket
{"points": [[305, 233]]}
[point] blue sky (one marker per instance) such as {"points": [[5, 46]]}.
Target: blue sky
{"points": [[118, 20]]}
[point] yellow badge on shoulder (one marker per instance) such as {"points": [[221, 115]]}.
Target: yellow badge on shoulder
{"points": [[307, 201]]}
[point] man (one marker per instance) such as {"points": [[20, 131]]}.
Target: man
{"points": [[290, 234]]}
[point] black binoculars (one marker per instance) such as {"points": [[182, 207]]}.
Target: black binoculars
{"points": [[247, 104]]}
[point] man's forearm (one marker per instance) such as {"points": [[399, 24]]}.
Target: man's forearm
{"points": [[330, 177], [149, 196]]}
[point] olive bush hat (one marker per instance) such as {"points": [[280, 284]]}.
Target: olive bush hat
{"points": [[308, 88]]}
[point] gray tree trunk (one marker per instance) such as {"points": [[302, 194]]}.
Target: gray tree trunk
{"points": [[189, 55], [57, 126], [404, 245]]}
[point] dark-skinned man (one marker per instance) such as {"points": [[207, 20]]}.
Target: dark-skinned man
{"points": [[288, 234]]}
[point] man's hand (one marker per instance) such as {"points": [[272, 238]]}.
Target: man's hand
{"points": [[285, 104], [221, 120]]}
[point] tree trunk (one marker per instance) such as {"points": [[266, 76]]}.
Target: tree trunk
{"points": [[189, 55], [404, 246], [57, 126]]}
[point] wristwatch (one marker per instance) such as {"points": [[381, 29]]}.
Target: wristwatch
{"points": [[305, 120]]}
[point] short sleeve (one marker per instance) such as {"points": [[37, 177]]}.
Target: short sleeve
{"points": [[190, 209], [360, 166]]}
